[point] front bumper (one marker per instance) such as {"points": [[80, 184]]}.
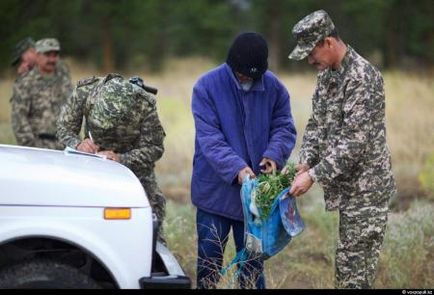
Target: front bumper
{"points": [[172, 278], [165, 282]]}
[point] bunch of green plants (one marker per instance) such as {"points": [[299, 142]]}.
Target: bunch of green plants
{"points": [[269, 187]]}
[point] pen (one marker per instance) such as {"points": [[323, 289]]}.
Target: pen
{"points": [[90, 136]]}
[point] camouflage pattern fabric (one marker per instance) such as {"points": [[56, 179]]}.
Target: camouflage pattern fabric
{"points": [[345, 138], [121, 117], [17, 81], [345, 144], [36, 101], [47, 44], [361, 234], [309, 31]]}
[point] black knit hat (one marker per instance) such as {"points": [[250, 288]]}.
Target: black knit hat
{"points": [[248, 55]]}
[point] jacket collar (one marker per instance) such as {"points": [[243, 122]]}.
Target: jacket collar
{"points": [[338, 75], [257, 85]]}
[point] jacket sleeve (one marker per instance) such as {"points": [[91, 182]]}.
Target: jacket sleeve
{"points": [[350, 144], [151, 142], [67, 86], [219, 154], [71, 118], [309, 150], [283, 133], [21, 104]]}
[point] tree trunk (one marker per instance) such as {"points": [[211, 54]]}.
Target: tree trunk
{"points": [[158, 51], [107, 45], [392, 44], [273, 15]]}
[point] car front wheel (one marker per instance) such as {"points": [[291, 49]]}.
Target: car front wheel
{"points": [[44, 274]]}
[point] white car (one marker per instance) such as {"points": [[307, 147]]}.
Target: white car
{"points": [[77, 221]]}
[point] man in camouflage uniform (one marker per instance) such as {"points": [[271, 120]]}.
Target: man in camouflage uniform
{"points": [[122, 123], [38, 96], [24, 56], [344, 147]]}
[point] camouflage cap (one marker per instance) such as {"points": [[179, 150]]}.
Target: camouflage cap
{"points": [[20, 48], [309, 31], [114, 103], [47, 44]]}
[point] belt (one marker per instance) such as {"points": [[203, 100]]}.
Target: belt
{"points": [[47, 136]]}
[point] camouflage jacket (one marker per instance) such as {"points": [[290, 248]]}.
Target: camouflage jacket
{"points": [[138, 139], [36, 103], [345, 139]]}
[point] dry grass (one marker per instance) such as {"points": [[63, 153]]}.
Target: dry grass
{"points": [[406, 260], [410, 103]]}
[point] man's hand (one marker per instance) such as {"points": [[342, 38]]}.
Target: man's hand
{"points": [[270, 165], [111, 155], [244, 172], [23, 68], [88, 146], [301, 184], [301, 168]]}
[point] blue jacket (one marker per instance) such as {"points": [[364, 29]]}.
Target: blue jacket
{"points": [[235, 129]]}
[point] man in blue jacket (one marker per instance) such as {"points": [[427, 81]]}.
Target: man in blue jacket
{"points": [[243, 126]]}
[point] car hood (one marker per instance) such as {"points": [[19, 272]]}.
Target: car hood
{"points": [[42, 177]]}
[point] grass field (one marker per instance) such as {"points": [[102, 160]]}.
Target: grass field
{"points": [[407, 259], [308, 261]]}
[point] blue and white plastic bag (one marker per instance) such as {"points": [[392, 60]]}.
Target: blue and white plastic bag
{"points": [[268, 237]]}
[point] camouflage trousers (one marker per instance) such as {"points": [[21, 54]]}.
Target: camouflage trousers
{"points": [[361, 234], [157, 201]]}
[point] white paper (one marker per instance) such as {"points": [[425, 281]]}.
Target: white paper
{"points": [[70, 151]]}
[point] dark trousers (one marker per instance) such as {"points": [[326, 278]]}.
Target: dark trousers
{"points": [[213, 233]]}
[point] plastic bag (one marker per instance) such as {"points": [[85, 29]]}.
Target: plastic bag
{"points": [[268, 237]]}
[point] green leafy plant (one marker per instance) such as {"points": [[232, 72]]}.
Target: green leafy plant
{"points": [[269, 187]]}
